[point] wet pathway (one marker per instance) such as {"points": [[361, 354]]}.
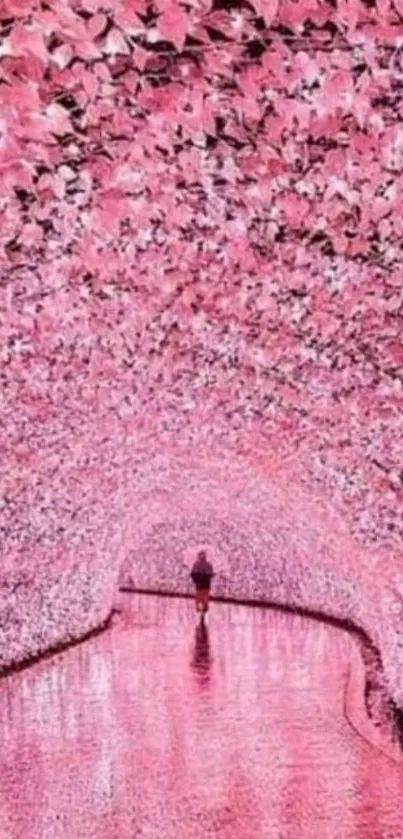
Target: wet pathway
{"points": [[153, 730]]}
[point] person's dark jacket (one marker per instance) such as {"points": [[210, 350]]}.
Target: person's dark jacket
{"points": [[202, 573]]}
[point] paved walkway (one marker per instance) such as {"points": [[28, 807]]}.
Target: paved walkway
{"points": [[155, 731]]}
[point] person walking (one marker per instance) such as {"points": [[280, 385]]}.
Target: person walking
{"points": [[202, 574]]}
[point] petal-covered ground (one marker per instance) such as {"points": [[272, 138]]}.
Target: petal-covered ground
{"points": [[250, 730]]}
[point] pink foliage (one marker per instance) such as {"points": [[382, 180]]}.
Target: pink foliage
{"points": [[201, 239]]}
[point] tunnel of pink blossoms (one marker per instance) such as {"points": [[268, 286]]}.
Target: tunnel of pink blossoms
{"points": [[200, 309]]}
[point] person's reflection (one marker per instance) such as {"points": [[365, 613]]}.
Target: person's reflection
{"points": [[201, 659]]}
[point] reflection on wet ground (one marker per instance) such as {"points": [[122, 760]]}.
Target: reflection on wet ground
{"points": [[160, 729]]}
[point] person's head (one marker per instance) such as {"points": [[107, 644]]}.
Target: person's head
{"points": [[202, 556]]}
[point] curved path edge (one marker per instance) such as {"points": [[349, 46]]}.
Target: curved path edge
{"points": [[55, 649], [357, 715]]}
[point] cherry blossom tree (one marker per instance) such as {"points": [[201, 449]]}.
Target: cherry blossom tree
{"points": [[201, 242]]}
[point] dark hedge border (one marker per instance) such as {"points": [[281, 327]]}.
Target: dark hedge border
{"points": [[55, 649]]}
